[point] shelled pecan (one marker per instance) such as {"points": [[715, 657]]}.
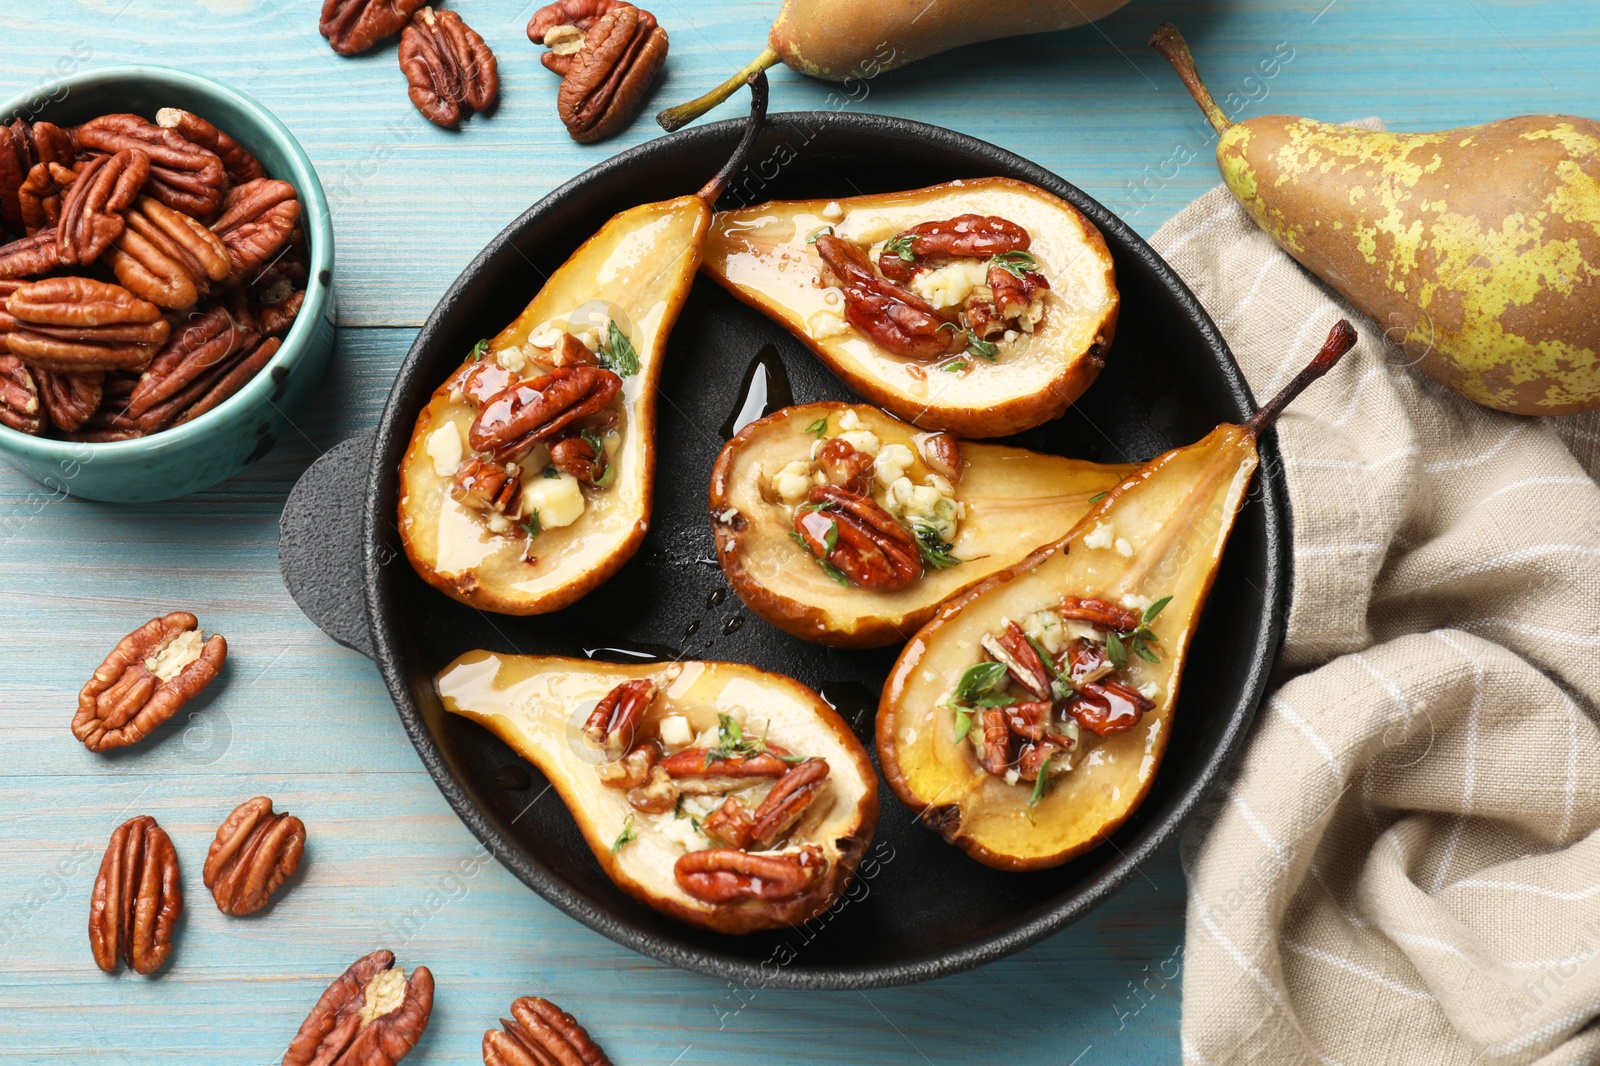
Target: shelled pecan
{"points": [[1099, 613], [91, 209], [39, 198], [607, 78], [371, 1015], [892, 315], [532, 411], [731, 824], [788, 802], [79, 324], [166, 257], [995, 740], [237, 161], [578, 457], [256, 223], [1107, 707], [148, 676], [29, 256], [964, 236], [70, 399], [183, 175], [1013, 650], [942, 452], [136, 900], [631, 770], [615, 719], [353, 26], [255, 851], [277, 316], [846, 466], [712, 771], [539, 1033], [561, 27], [200, 343], [724, 875], [20, 406], [220, 384], [15, 162], [658, 795], [448, 67], [487, 486], [852, 533]]}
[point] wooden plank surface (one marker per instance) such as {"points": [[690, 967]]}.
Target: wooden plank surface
{"points": [[309, 723]]}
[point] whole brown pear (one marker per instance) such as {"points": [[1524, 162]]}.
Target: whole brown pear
{"points": [[1477, 250]]}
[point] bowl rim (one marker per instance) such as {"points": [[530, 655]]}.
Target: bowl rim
{"points": [[315, 217], [393, 432]]}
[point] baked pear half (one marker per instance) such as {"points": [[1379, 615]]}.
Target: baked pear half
{"points": [[843, 525], [529, 477], [1027, 720], [719, 794], [983, 307]]}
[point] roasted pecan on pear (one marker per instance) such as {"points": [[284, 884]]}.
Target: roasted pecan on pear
{"points": [[91, 209], [962, 237], [726, 875], [615, 719], [485, 485], [607, 54], [40, 197], [79, 324], [183, 175], [372, 1015], [580, 458], [788, 802], [240, 165], [858, 538], [20, 406], [539, 1033], [256, 224], [530, 412], [353, 26], [166, 257], [255, 851], [70, 399], [136, 900], [449, 69], [893, 316], [148, 676]]}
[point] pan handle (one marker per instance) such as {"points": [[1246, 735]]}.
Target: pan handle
{"points": [[319, 542]]}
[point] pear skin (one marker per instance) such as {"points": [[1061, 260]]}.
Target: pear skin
{"points": [[1158, 536], [1477, 250]]}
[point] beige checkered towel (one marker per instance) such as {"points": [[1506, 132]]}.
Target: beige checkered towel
{"points": [[1404, 867]]}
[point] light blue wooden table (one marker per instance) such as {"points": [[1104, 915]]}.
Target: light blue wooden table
{"points": [[310, 724]]}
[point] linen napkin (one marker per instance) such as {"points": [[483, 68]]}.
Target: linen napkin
{"points": [[1403, 867]]}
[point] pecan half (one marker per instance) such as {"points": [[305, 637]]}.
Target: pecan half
{"points": [[965, 236], [1029, 719], [183, 175], [630, 771], [209, 391], [703, 771], [29, 256], [609, 76], [615, 719], [20, 407], [484, 485], [942, 452], [576, 456], [539, 1033], [723, 875], [1033, 758], [82, 324], [370, 1016], [203, 342], [70, 399], [255, 851], [1106, 707], [846, 466], [91, 211], [482, 380], [893, 316], [1012, 294], [1087, 661], [136, 900], [995, 741], [1013, 649], [237, 161], [569, 20], [869, 546], [1099, 613], [658, 795], [52, 144], [788, 802], [448, 67], [166, 257], [731, 823], [15, 162], [257, 221], [528, 412], [353, 26], [151, 673], [39, 198], [277, 317]]}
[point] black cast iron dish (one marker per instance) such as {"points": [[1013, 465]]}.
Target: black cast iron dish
{"points": [[926, 909]]}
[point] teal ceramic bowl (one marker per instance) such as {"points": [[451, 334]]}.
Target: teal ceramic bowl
{"points": [[244, 427]]}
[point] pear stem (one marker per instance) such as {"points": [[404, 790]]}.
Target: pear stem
{"points": [[675, 118], [1341, 338], [758, 114], [1170, 43]]}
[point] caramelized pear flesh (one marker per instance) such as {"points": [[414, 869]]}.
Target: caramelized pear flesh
{"points": [[529, 477], [1004, 502], [767, 256], [542, 705], [1126, 586]]}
